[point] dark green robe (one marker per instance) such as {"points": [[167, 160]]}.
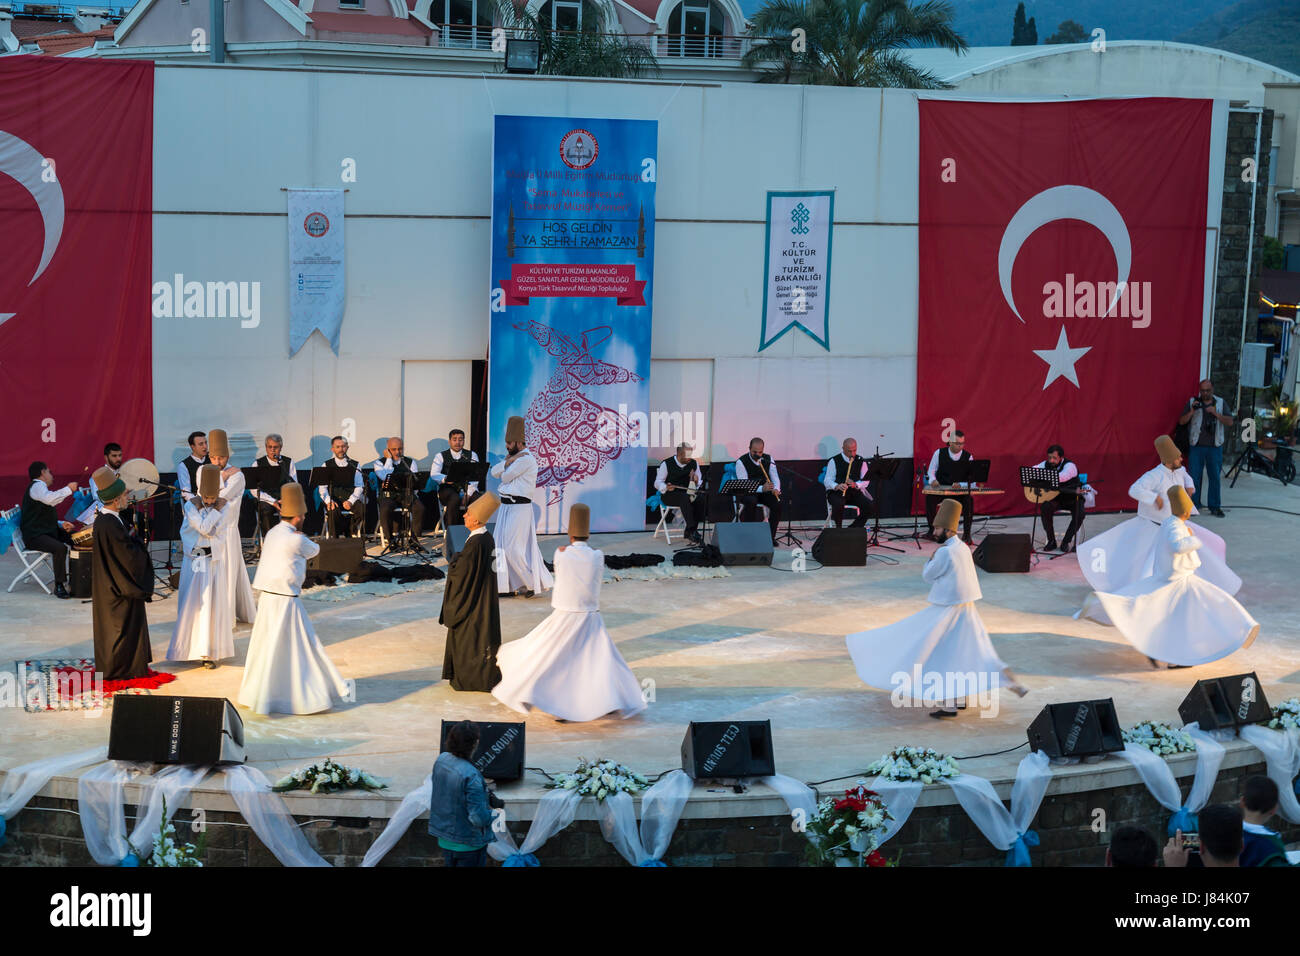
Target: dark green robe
{"points": [[122, 581], [472, 615]]}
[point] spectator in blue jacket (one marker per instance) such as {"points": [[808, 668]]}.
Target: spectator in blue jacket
{"points": [[460, 811]]}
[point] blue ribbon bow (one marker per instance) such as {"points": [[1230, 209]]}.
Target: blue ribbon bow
{"points": [[1184, 820], [521, 859], [3, 826], [130, 860], [653, 863], [1018, 855]]}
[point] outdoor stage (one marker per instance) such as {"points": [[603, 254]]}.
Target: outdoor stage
{"points": [[761, 643]]}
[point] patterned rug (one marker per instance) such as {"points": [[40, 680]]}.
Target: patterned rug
{"points": [[58, 684]]}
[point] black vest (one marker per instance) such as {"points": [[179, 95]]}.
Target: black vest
{"points": [[947, 471], [679, 474], [1070, 485], [341, 483], [843, 469], [193, 467], [752, 471], [457, 471], [274, 489], [37, 518]]}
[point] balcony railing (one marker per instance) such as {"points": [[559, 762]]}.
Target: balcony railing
{"points": [[667, 45]]}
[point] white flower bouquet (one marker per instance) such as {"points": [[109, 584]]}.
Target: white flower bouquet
{"points": [[169, 853], [1160, 738], [599, 779], [328, 777], [1286, 715], [915, 763], [847, 831]]}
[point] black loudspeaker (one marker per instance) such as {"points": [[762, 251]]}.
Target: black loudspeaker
{"points": [[1004, 552], [338, 555], [79, 573], [454, 540], [188, 730], [500, 751], [1224, 703], [744, 542], [841, 547], [741, 748], [1080, 728]]}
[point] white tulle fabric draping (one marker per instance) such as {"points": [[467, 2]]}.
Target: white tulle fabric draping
{"points": [[270, 819], [661, 808], [25, 781], [1281, 750], [413, 804], [798, 796], [1159, 778], [101, 798], [169, 787], [1007, 830], [555, 811], [899, 798]]}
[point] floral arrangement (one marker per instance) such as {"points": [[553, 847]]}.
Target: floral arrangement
{"points": [[167, 852], [1286, 715], [915, 763], [599, 779], [1160, 738], [328, 777], [847, 831]]}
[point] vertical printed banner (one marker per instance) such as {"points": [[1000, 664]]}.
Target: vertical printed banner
{"points": [[573, 212], [797, 266], [317, 292]]}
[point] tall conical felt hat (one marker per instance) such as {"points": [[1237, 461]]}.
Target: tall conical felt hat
{"points": [[108, 485], [218, 444], [949, 515], [292, 501], [1179, 501], [484, 507], [209, 481], [1167, 451], [515, 428], [580, 521]]}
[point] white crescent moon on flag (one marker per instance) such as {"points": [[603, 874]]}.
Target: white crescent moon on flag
{"points": [[21, 162], [1065, 202]]}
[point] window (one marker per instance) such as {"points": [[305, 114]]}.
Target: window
{"points": [[695, 29], [359, 4], [466, 23], [570, 15]]}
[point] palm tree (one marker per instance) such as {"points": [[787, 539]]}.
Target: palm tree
{"points": [[849, 42], [590, 51]]}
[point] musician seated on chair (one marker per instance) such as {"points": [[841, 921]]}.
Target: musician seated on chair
{"points": [[454, 467], [846, 484], [1069, 500], [759, 467], [395, 475], [946, 467], [675, 475], [40, 525], [274, 471], [341, 495]]}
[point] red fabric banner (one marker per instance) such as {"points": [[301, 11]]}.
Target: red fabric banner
{"points": [[76, 206], [1062, 258]]}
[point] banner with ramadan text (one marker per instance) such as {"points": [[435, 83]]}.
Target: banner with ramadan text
{"points": [[317, 293], [573, 213], [797, 265]]}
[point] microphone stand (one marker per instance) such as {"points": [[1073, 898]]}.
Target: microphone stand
{"points": [[788, 535], [171, 535]]}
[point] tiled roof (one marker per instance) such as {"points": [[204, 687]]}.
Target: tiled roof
{"points": [[366, 23], [59, 43]]}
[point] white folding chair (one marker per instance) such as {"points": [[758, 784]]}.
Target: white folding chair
{"points": [[663, 522], [32, 561], [847, 508]]}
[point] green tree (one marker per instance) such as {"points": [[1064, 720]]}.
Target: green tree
{"points": [[1023, 32], [849, 42], [1067, 31], [591, 51], [1274, 254]]}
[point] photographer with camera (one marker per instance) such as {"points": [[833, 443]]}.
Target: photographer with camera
{"points": [[1206, 421]]}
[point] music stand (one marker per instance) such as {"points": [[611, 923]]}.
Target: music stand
{"points": [[788, 535], [702, 528], [740, 486], [1039, 480], [401, 488], [881, 468]]}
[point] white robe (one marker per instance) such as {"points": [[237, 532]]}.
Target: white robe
{"points": [[1174, 615], [235, 573], [568, 665], [205, 617], [940, 646], [519, 560], [287, 671], [1127, 552]]}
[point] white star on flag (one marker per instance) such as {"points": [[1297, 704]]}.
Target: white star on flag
{"points": [[1060, 360]]}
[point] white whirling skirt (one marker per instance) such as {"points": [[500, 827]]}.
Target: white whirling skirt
{"points": [[235, 571], [205, 623], [1184, 621], [568, 667], [1126, 554], [940, 642], [519, 560], [288, 671]]}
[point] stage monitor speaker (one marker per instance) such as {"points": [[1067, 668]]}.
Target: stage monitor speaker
{"points": [[338, 555], [744, 542], [727, 749], [185, 730], [454, 540], [1080, 728], [79, 573], [1004, 552], [1225, 703], [500, 751], [841, 548]]}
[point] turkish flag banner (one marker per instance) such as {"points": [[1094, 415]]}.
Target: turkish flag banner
{"points": [[76, 207], [1062, 266]]}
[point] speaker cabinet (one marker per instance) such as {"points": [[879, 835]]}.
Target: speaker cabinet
{"points": [[1004, 553], [841, 548], [1080, 728], [744, 542], [740, 748], [185, 730], [500, 751], [79, 573], [453, 541], [338, 555], [1225, 703]]}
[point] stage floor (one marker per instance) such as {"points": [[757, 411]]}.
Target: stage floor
{"points": [[760, 643]]}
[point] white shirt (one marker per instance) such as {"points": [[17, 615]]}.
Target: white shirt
{"points": [[578, 570], [183, 474], [742, 471], [324, 490], [285, 552], [1177, 557], [202, 525], [435, 470], [262, 495], [828, 481], [951, 573], [41, 492], [520, 479], [1157, 482], [661, 476], [934, 462], [1066, 473]]}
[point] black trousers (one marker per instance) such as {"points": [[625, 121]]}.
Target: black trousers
{"points": [[386, 518], [967, 511], [454, 501], [56, 546], [853, 496], [465, 857], [267, 516], [749, 508], [342, 524], [692, 511], [1073, 505]]}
